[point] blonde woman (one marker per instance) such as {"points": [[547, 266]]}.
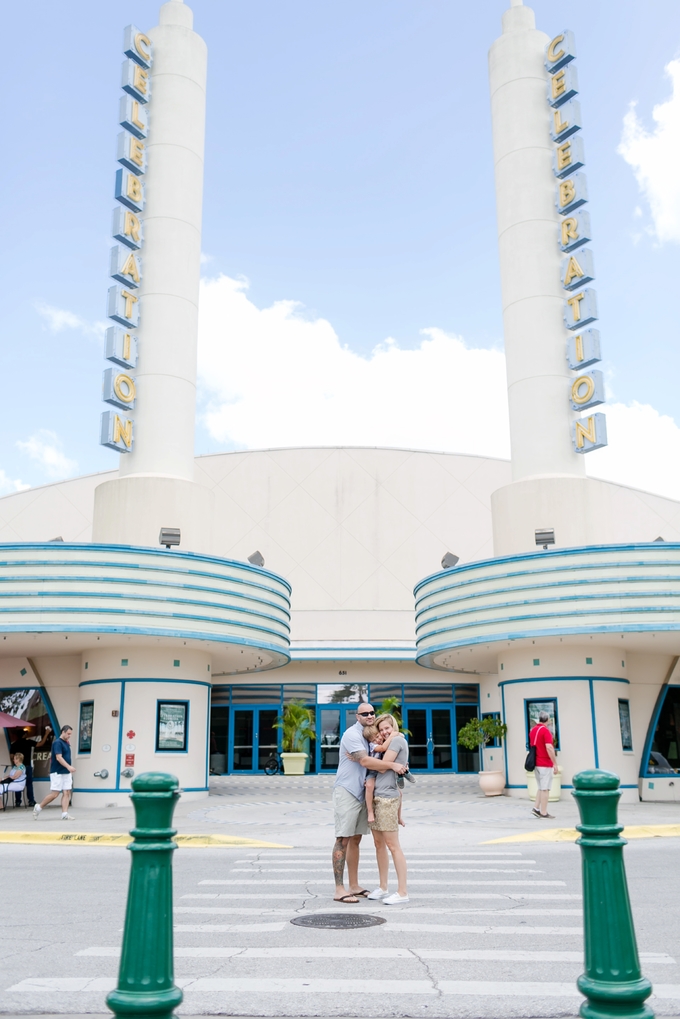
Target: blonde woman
{"points": [[386, 805]]}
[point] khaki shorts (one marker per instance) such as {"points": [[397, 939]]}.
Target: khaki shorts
{"points": [[386, 810], [544, 777], [350, 814]]}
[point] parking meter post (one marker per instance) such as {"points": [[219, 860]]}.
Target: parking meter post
{"points": [[146, 988], [612, 983]]}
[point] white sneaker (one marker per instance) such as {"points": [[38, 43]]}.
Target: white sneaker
{"points": [[67, 817], [395, 899], [36, 810], [378, 893]]}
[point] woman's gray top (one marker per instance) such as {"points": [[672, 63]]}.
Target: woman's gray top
{"points": [[386, 781]]}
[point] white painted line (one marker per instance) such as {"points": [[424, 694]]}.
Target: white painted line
{"points": [[243, 882], [377, 907], [478, 988], [300, 985], [325, 952], [228, 928], [503, 896], [510, 988], [65, 985], [435, 928], [412, 870]]}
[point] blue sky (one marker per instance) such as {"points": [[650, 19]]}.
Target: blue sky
{"points": [[348, 168]]}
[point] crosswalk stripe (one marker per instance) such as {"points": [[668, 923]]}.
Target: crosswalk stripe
{"points": [[404, 928], [414, 954], [412, 870], [376, 907], [228, 928], [503, 896], [423, 881], [293, 985]]}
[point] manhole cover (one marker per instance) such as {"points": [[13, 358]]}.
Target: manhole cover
{"points": [[337, 921]]}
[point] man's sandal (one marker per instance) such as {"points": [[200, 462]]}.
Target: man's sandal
{"points": [[363, 892], [347, 898]]}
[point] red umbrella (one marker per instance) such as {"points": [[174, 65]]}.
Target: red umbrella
{"points": [[10, 722]]}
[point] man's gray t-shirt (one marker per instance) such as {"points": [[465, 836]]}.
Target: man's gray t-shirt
{"points": [[351, 776], [386, 781]]}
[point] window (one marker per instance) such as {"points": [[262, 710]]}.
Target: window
{"points": [[171, 726], [427, 693], [85, 727], [624, 724], [533, 710], [492, 714], [342, 693]]}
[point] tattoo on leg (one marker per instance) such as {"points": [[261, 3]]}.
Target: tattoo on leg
{"points": [[339, 854]]}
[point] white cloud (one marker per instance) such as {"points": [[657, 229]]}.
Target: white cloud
{"points": [[46, 449], [9, 485], [273, 377], [654, 157], [643, 450], [59, 319]]}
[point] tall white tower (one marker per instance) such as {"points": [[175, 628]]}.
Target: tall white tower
{"points": [[156, 484], [549, 488]]}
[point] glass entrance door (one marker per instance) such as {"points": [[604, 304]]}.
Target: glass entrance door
{"points": [[430, 743], [254, 738]]}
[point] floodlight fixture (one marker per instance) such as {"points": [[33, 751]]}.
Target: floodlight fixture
{"points": [[449, 561], [169, 536], [257, 559]]}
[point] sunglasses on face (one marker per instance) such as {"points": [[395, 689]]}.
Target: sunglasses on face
{"points": [[365, 714]]}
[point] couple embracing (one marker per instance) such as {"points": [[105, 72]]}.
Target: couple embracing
{"points": [[349, 805]]}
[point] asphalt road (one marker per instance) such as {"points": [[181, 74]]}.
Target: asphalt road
{"points": [[491, 929]]}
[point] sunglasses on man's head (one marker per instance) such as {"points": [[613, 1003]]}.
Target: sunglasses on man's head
{"points": [[365, 714]]}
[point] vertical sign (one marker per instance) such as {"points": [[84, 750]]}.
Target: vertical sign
{"points": [[586, 390], [125, 266]]}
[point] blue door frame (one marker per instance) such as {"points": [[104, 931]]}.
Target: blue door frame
{"points": [[432, 739], [255, 738]]}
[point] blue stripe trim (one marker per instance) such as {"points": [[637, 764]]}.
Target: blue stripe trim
{"points": [[185, 616], [495, 606], [146, 551], [505, 619], [565, 679], [559, 631], [551, 556], [160, 632], [594, 724], [132, 581], [467, 596], [191, 682], [185, 789], [121, 718]]}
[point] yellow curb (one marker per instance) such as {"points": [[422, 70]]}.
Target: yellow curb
{"points": [[635, 831], [44, 838]]}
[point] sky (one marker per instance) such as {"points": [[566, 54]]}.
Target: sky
{"points": [[351, 286]]}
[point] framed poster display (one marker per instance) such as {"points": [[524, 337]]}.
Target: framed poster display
{"points": [[171, 726], [533, 710], [85, 727], [625, 726]]}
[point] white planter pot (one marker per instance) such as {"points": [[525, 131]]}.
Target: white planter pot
{"points": [[492, 783], [293, 764]]}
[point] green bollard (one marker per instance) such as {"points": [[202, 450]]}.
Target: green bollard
{"points": [[146, 987], [613, 984]]}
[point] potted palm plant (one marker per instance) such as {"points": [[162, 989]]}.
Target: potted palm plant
{"points": [[477, 733], [297, 728]]}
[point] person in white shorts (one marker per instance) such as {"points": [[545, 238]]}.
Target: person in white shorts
{"points": [[61, 774], [349, 803]]}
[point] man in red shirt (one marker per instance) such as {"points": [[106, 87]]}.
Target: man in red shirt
{"points": [[546, 763]]}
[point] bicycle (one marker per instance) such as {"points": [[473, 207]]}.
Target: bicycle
{"points": [[273, 765]]}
